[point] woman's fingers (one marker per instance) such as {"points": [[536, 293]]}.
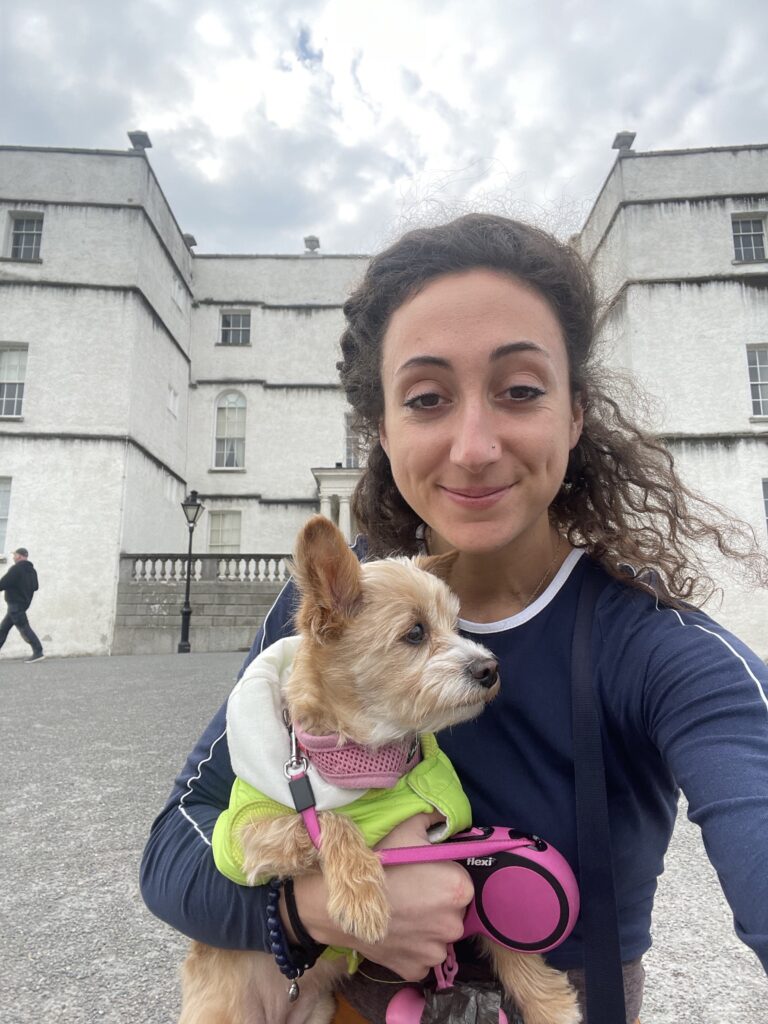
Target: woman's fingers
{"points": [[427, 906]]}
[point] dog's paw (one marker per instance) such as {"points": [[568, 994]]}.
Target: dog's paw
{"points": [[362, 910]]}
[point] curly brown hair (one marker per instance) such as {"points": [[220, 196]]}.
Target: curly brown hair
{"points": [[621, 497]]}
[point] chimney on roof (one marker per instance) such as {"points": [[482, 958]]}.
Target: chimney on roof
{"points": [[189, 240], [140, 140], [312, 243], [623, 142]]}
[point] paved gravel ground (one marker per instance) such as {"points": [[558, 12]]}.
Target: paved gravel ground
{"points": [[91, 747]]}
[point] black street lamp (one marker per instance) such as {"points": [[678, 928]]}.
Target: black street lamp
{"points": [[192, 509]]}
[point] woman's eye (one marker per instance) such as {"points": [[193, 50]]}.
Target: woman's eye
{"points": [[523, 392], [429, 400], [415, 634]]}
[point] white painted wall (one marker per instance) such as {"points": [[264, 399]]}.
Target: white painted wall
{"points": [[66, 508], [685, 342]]}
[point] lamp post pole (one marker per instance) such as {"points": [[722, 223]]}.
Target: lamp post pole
{"points": [[192, 509]]}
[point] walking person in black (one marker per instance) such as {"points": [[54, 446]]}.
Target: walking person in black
{"points": [[20, 584]]}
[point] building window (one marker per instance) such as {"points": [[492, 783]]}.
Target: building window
{"points": [[224, 533], [765, 500], [13, 366], [27, 230], [757, 360], [5, 504], [236, 328], [749, 239], [230, 431]]}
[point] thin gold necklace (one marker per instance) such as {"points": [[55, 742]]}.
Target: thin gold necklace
{"points": [[550, 567]]}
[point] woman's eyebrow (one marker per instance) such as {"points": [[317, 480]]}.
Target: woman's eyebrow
{"points": [[424, 361], [498, 353], [518, 346]]}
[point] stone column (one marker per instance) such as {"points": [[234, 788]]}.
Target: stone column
{"points": [[345, 518], [325, 506]]}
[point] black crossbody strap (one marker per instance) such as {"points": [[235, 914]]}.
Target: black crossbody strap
{"points": [[599, 918]]}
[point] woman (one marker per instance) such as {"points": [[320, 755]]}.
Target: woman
{"points": [[466, 358]]}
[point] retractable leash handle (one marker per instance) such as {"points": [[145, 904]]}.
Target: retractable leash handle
{"points": [[526, 895]]}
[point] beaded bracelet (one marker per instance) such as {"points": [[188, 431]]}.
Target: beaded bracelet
{"points": [[310, 949], [292, 961]]}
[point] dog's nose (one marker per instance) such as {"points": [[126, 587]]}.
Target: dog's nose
{"points": [[483, 671]]}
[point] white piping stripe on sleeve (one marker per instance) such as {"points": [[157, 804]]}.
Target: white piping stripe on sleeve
{"points": [[266, 619], [188, 791], [734, 652]]}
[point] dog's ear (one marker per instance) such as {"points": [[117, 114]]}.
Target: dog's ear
{"points": [[329, 578], [438, 565]]}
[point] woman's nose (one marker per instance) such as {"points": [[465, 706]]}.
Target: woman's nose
{"points": [[475, 441]]}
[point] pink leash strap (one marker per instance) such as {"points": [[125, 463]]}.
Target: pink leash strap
{"points": [[445, 973], [481, 847], [312, 825]]}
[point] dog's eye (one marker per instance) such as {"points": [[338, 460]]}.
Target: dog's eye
{"points": [[415, 634]]}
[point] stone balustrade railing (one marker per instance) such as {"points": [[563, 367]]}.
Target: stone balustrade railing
{"points": [[229, 597], [161, 568]]}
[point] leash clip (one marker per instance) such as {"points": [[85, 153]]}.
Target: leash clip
{"points": [[296, 764]]}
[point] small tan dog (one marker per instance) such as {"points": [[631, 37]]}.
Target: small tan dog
{"points": [[379, 662]]}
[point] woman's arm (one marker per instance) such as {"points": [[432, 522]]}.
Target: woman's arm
{"points": [[179, 880], [706, 704]]}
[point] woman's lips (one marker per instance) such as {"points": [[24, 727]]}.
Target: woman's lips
{"points": [[475, 497]]}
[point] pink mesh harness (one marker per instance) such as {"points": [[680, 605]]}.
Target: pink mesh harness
{"points": [[353, 766]]}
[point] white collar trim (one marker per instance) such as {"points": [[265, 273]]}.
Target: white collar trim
{"points": [[533, 609]]}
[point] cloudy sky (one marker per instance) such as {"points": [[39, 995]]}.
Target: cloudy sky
{"points": [[351, 119]]}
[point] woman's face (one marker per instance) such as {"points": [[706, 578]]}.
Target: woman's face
{"points": [[478, 415]]}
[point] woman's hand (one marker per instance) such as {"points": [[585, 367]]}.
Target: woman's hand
{"points": [[427, 902]]}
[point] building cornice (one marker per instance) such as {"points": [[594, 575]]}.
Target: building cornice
{"points": [[124, 289], [298, 502], [267, 385], [721, 437], [299, 307], [122, 439], [317, 256], [715, 197], [114, 208], [757, 280]]}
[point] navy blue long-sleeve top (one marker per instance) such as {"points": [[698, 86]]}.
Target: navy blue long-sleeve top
{"points": [[683, 705]]}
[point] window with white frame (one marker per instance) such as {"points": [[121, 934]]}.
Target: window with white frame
{"points": [[749, 239], [236, 328], [224, 533], [13, 367], [5, 504], [757, 361], [26, 233], [229, 452]]}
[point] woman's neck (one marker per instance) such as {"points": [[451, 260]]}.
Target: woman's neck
{"points": [[496, 585]]}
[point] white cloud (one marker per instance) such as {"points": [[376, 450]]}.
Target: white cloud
{"points": [[273, 118]]}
